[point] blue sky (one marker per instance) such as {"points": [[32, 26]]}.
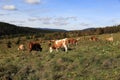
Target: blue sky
{"points": [[61, 14]]}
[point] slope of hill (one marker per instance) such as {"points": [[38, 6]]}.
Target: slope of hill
{"points": [[49, 29], [88, 29], [10, 29], [96, 31], [13, 30], [88, 60]]}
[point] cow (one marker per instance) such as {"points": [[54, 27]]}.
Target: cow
{"points": [[58, 44], [93, 38], [72, 41], [21, 47], [110, 39], [33, 46]]}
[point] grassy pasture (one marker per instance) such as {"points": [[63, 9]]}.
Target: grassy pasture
{"points": [[89, 60]]}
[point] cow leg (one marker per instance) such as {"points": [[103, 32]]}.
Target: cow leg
{"points": [[51, 50], [56, 49], [65, 48], [76, 43], [68, 44]]}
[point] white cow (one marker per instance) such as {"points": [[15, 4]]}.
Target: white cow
{"points": [[58, 44], [21, 47]]}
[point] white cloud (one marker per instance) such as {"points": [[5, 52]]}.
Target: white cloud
{"points": [[45, 19], [13, 21], [84, 24], [9, 7], [60, 23], [42, 19], [33, 1], [32, 19], [115, 21], [1, 14], [54, 21], [47, 23], [66, 18]]}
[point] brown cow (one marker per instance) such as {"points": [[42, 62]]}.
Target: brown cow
{"points": [[34, 46], [58, 44], [72, 41], [93, 38]]}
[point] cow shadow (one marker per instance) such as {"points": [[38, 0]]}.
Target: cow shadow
{"points": [[69, 49]]}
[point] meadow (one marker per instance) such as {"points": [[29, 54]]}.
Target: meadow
{"points": [[89, 60]]}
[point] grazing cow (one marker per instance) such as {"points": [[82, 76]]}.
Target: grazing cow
{"points": [[110, 39], [72, 41], [21, 47], [58, 44], [93, 38], [34, 46]]}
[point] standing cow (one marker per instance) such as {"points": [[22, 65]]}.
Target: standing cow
{"points": [[34, 46], [93, 38], [59, 44], [110, 39], [72, 41]]}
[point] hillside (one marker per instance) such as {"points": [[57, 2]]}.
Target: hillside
{"points": [[89, 60], [56, 30], [10, 29], [47, 33], [95, 31]]}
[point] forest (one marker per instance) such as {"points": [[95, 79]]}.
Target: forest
{"points": [[9, 31]]}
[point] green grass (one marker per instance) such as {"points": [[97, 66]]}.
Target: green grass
{"points": [[88, 60]]}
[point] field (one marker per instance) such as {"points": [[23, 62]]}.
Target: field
{"points": [[89, 60]]}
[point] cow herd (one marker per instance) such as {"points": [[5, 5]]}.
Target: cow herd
{"points": [[57, 44], [109, 39], [53, 45], [33, 46]]}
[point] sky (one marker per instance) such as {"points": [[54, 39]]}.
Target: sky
{"points": [[61, 14]]}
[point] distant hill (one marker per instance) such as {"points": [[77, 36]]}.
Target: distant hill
{"points": [[95, 31], [88, 29], [10, 29], [13, 30], [56, 30]]}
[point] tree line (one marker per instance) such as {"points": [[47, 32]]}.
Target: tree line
{"points": [[9, 30]]}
